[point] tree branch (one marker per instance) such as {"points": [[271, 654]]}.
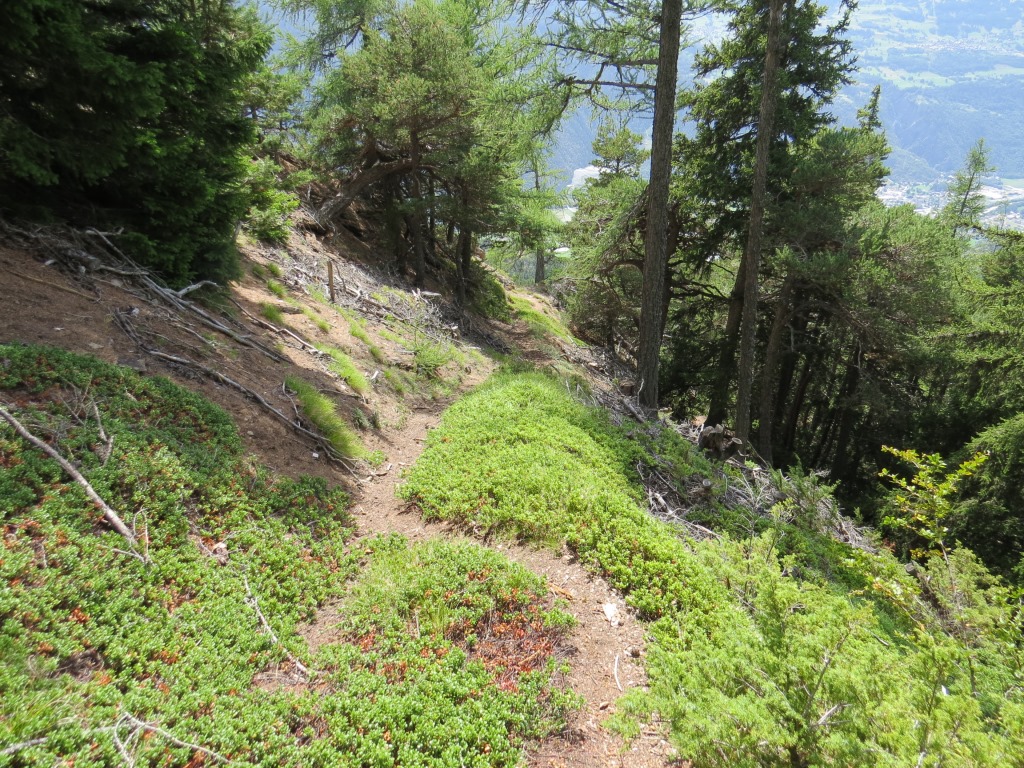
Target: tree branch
{"points": [[108, 514]]}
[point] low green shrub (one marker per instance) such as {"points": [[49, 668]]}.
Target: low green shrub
{"points": [[89, 635], [444, 656], [778, 647], [540, 324]]}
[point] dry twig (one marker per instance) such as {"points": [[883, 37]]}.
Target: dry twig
{"points": [[108, 514], [251, 600]]}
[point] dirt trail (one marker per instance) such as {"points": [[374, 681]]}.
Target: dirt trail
{"points": [[604, 659]]}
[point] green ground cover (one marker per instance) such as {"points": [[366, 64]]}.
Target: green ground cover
{"points": [[774, 647], [107, 660]]}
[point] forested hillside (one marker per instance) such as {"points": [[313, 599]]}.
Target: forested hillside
{"points": [[771, 424]]}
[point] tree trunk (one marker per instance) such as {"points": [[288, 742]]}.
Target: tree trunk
{"points": [[752, 253], [538, 265], [431, 221], [393, 223], [465, 243], [796, 406], [772, 353], [719, 406], [841, 468], [656, 238], [416, 220]]}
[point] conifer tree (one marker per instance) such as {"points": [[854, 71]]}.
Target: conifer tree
{"points": [[129, 114]]}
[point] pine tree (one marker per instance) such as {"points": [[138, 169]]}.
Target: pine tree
{"points": [[129, 114]]}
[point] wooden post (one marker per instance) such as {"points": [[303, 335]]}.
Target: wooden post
{"points": [[330, 279]]}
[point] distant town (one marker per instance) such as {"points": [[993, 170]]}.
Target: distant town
{"points": [[1004, 199]]}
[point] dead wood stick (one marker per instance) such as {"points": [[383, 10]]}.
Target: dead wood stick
{"points": [[144, 726], [52, 285], [108, 442], [10, 750], [108, 514], [252, 601], [270, 326], [617, 672], [178, 302], [195, 287], [217, 375]]}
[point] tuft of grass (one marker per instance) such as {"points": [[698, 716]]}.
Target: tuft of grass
{"points": [[358, 330], [318, 321], [343, 366], [274, 270], [258, 271], [430, 357], [394, 337], [272, 313], [319, 295], [399, 381], [319, 409], [277, 289], [540, 324]]}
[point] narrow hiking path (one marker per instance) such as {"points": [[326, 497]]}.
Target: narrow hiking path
{"points": [[75, 313], [605, 657]]}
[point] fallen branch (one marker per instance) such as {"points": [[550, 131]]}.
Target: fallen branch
{"points": [[144, 726], [270, 326], [52, 285], [108, 514], [195, 287], [108, 442], [178, 302], [10, 750], [251, 600], [126, 326]]}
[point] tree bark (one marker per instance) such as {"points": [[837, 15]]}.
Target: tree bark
{"points": [[772, 354], [538, 266], [719, 406], [464, 243], [752, 253], [355, 185], [416, 220], [841, 468], [656, 238]]}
